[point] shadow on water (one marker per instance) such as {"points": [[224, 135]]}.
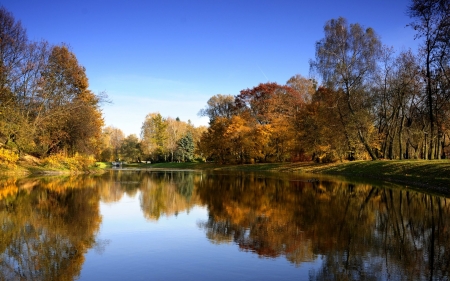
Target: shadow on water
{"points": [[358, 231]]}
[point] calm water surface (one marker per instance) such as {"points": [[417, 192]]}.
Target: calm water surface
{"points": [[142, 225]]}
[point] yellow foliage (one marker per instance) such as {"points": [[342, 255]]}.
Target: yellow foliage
{"points": [[8, 157], [8, 187], [76, 163]]}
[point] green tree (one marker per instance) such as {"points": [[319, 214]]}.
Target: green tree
{"points": [[130, 149], [186, 148]]}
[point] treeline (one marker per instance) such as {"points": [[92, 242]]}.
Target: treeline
{"points": [[45, 104], [161, 140], [371, 102], [366, 101]]}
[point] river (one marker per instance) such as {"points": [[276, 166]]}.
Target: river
{"points": [[192, 225]]}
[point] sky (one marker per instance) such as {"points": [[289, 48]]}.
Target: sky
{"points": [[172, 56]]}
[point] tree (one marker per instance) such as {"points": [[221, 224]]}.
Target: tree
{"points": [[63, 95], [305, 87], [112, 140], [263, 102], [154, 136], [186, 147], [213, 142], [13, 45], [45, 104], [432, 23], [218, 106], [20, 66], [346, 58], [398, 96], [175, 130], [277, 106], [130, 150], [321, 130]]}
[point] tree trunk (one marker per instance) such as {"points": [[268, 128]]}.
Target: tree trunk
{"points": [[360, 133], [438, 146], [400, 138], [366, 145], [430, 103], [425, 147], [407, 150], [391, 146]]}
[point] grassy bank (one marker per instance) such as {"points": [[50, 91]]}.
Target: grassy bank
{"points": [[55, 164], [419, 173], [430, 175], [424, 174]]}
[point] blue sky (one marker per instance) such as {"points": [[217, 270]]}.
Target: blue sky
{"points": [[172, 56]]}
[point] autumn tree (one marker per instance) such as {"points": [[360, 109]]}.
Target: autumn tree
{"points": [[346, 59], [399, 103], [130, 149], [273, 107], [112, 139], [176, 129], [154, 136], [304, 86], [432, 24], [69, 112], [213, 143], [21, 62], [322, 134], [219, 106], [45, 104]]}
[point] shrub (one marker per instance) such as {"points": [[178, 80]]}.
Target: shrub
{"points": [[330, 157], [8, 157], [76, 163]]}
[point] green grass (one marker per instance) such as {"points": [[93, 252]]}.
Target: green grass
{"points": [[103, 165], [427, 175], [207, 166], [419, 173]]}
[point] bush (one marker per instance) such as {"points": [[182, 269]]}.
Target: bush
{"points": [[76, 163], [330, 157], [327, 157], [8, 157]]}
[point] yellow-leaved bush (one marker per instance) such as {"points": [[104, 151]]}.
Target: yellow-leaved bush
{"points": [[8, 157], [75, 163]]}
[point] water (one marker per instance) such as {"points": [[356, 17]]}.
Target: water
{"points": [[141, 225]]}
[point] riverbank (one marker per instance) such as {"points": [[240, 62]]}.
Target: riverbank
{"points": [[429, 175]]}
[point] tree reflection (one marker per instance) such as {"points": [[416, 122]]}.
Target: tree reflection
{"points": [[168, 193], [356, 231], [47, 227], [359, 231], [161, 193]]}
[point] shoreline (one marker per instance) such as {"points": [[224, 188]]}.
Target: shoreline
{"points": [[424, 175]]}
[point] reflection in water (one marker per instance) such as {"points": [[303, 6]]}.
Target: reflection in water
{"points": [[361, 232], [162, 194], [357, 231], [47, 226]]}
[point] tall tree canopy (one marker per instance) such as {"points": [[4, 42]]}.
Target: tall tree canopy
{"points": [[346, 59], [45, 104], [432, 24]]}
